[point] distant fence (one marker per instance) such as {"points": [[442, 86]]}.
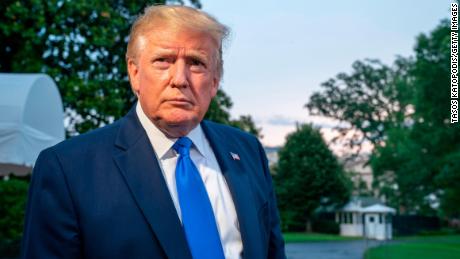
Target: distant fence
{"points": [[403, 225], [324, 222], [410, 224]]}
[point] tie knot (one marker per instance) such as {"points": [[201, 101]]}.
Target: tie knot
{"points": [[182, 146]]}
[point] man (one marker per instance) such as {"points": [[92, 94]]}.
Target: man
{"points": [[160, 182]]}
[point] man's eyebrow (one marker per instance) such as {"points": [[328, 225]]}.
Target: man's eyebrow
{"points": [[164, 52], [191, 54], [197, 55]]}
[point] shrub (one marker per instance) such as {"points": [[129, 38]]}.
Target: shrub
{"points": [[13, 195]]}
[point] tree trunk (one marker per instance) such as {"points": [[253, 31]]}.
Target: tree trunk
{"points": [[308, 225]]}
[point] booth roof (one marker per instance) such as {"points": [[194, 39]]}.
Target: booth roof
{"points": [[366, 204]]}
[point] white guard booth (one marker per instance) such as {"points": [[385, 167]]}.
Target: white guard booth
{"points": [[31, 119], [377, 220], [366, 217]]}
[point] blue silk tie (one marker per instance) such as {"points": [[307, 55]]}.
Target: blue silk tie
{"points": [[197, 215]]}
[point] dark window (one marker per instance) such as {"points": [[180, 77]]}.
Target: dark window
{"points": [[371, 219], [380, 218], [388, 218]]}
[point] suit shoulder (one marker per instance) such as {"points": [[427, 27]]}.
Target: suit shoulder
{"points": [[239, 138], [100, 137], [229, 131]]}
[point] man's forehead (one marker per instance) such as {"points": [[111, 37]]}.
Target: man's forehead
{"points": [[171, 44], [179, 34], [168, 49]]}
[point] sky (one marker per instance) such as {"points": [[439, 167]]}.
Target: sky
{"points": [[279, 52]]}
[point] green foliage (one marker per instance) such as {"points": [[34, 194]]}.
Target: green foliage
{"points": [[398, 171], [432, 130], [81, 45], [219, 111], [13, 195], [404, 111], [375, 100], [308, 175], [421, 155], [314, 237], [425, 247], [372, 98]]}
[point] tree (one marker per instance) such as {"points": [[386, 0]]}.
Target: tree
{"points": [[219, 111], [422, 156], [432, 129], [307, 175], [81, 45], [404, 111], [371, 99]]}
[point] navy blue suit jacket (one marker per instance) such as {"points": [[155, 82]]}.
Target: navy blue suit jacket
{"points": [[103, 195]]}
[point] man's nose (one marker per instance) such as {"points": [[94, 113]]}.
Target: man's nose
{"points": [[179, 74]]}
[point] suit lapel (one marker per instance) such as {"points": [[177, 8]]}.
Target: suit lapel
{"points": [[240, 188], [143, 175]]}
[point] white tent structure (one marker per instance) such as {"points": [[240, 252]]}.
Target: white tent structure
{"points": [[31, 119]]}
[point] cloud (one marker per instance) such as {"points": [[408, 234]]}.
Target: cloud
{"points": [[327, 123], [317, 121], [280, 120]]}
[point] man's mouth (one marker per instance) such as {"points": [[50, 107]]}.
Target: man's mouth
{"points": [[179, 101]]}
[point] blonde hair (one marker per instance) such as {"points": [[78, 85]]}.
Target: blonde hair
{"points": [[177, 17]]}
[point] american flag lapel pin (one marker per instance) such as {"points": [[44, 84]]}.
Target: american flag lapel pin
{"points": [[235, 156]]}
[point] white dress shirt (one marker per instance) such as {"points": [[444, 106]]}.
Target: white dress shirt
{"points": [[204, 159]]}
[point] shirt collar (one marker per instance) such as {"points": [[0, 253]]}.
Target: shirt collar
{"points": [[161, 143]]}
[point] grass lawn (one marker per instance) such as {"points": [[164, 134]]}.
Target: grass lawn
{"points": [[424, 247], [313, 237]]}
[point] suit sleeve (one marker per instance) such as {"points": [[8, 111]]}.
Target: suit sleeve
{"points": [[276, 241], [51, 226]]}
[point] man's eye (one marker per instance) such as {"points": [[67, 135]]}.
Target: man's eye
{"points": [[161, 62], [196, 62], [197, 66]]}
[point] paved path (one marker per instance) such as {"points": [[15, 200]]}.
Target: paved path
{"points": [[329, 249]]}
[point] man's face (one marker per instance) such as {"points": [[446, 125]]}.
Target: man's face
{"points": [[175, 78]]}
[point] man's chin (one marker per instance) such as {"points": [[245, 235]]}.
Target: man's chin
{"points": [[182, 120], [178, 126]]}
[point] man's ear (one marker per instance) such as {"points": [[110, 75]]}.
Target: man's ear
{"points": [[133, 72], [215, 86]]}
